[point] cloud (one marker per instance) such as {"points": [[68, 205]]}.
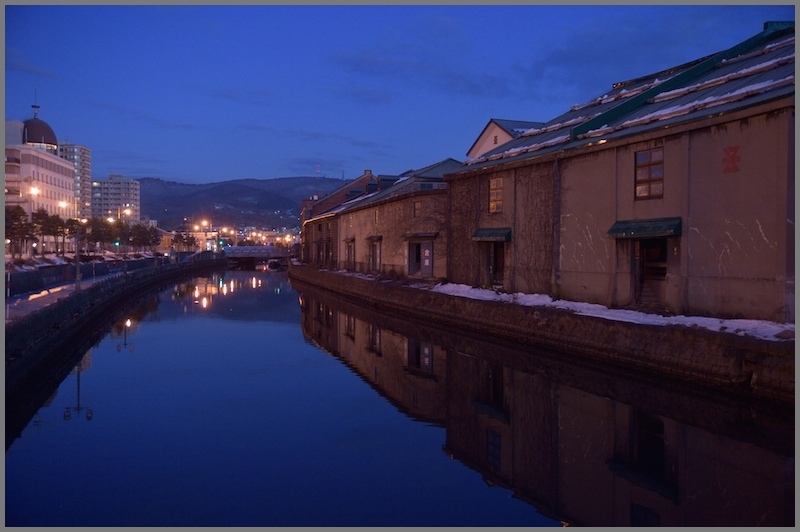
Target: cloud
{"points": [[239, 96], [364, 95], [127, 163], [312, 166], [618, 45], [431, 52], [314, 136], [16, 62], [403, 68], [232, 94], [126, 113]]}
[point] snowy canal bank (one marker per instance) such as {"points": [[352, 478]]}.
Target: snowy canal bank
{"points": [[744, 357]]}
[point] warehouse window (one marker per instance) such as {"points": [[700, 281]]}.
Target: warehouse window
{"points": [[650, 174], [496, 195]]}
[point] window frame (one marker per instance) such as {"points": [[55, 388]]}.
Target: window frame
{"points": [[648, 174], [495, 195]]}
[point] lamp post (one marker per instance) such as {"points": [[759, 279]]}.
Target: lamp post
{"points": [[78, 253], [33, 192], [120, 212], [119, 231], [207, 226]]}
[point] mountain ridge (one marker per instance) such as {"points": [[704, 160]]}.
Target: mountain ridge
{"points": [[261, 203]]}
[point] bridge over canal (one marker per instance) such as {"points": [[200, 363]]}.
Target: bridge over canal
{"points": [[248, 257]]}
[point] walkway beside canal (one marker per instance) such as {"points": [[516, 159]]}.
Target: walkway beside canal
{"points": [[17, 307]]}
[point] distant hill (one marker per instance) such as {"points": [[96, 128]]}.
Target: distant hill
{"points": [[263, 203]]}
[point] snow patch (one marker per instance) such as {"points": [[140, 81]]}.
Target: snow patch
{"points": [[766, 330]]}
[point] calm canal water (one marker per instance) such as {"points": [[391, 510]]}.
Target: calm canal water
{"points": [[237, 399]]}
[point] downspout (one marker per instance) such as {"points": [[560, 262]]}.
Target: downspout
{"points": [[512, 263], [789, 290], [555, 280], [482, 258]]}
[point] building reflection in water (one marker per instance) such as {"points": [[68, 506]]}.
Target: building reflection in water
{"points": [[581, 445]]}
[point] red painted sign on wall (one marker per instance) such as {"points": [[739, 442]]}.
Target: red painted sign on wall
{"points": [[731, 159]]}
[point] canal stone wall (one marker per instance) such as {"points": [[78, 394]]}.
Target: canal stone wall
{"points": [[35, 343], [745, 366], [22, 282]]}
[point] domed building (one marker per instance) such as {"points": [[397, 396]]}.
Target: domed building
{"points": [[35, 176], [38, 133]]}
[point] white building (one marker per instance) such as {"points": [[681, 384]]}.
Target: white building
{"points": [[35, 176], [117, 197]]}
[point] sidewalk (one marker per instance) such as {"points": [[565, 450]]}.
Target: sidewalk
{"points": [[21, 305]]}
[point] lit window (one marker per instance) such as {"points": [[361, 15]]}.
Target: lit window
{"points": [[496, 194], [650, 174], [417, 209]]}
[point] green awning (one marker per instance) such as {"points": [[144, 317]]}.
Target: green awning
{"points": [[655, 227], [420, 236], [502, 234]]}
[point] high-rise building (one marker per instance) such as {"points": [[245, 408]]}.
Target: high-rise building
{"points": [[117, 198], [81, 159]]}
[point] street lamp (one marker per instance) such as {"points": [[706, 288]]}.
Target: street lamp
{"points": [[206, 228], [33, 192], [120, 212], [78, 253]]}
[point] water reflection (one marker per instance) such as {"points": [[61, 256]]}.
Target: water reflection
{"points": [[582, 445], [219, 420], [238, 295], [81, 411], [227, 413], [229, 295]]}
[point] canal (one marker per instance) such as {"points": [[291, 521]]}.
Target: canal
{"points": [[241, 399]]}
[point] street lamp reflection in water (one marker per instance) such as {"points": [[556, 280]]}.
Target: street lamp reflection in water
{"points": [[78, 408], [125, 337]]}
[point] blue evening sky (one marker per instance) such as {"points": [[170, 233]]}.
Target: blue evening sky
{"points": [[200, 94]]}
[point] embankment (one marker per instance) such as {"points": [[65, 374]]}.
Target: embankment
{"points": [[741, 365], [24, 281]]}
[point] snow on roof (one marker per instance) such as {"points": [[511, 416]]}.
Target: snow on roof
{"points": [[749, 71], [684, 109], [522, 149], [768, 67]]}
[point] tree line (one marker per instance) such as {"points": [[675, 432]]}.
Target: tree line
{"points": [[19, 230]]}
